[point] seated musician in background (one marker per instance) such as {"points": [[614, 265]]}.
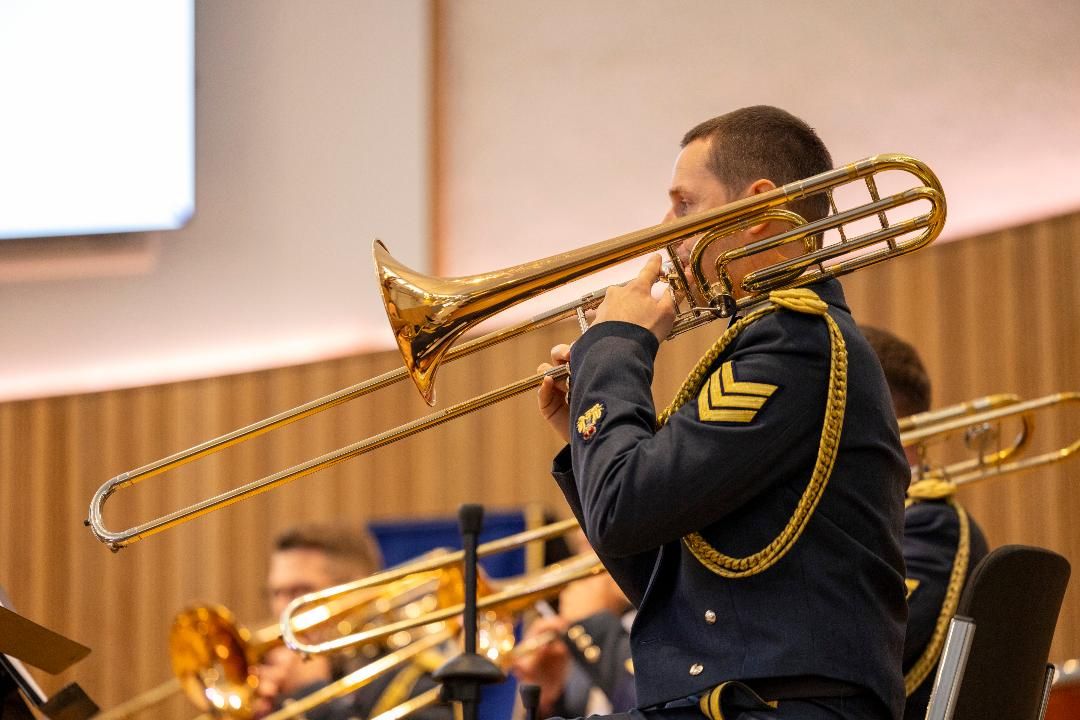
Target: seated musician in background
{"points": [[312, 557], [757, 527], [942, 544], [588, 671]]}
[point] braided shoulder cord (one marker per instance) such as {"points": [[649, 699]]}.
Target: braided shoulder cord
{"points": [[798, 300], [930, 656], [697, 377]]}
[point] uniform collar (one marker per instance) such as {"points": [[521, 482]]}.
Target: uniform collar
{"points": [[828, 290], [832, 292]]}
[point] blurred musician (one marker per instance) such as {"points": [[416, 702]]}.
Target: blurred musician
{"points": [[762, 554], [312, 557], [933, 541], [589, 671]]}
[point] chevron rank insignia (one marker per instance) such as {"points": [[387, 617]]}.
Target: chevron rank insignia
{"points": [[586, 424], [723, 399]]}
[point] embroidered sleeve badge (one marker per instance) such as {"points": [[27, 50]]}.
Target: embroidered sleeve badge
{"points": [[723, 399], [586, 424]]}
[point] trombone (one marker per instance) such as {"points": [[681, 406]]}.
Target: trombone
{"points": [[213, 660], [509, 596], [428, 315], [213, 656], [214, 663], [980, 422]]}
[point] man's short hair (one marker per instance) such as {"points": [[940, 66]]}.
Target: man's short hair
{"points": [[904, 372], [765, 142], [353, 548]]}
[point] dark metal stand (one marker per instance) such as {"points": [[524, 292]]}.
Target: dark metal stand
{"points": [[462, 676], [530, 700]]}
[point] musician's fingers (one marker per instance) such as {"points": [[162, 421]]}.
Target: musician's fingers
{"points": [[560, 354], [649, 273]]}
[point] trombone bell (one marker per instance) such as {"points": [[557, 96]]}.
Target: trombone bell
{"points": [[212, 659]]}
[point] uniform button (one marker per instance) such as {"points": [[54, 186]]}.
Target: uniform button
{"points": [[583, 641], [592, 653], [710, 617], [575, 632], [696, 669]]}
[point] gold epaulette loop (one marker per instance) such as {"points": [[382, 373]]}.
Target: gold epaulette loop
{"points": [[801, 300], [931, 488]]}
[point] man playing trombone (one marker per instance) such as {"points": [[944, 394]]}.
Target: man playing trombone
{"points": [[756, 527]]}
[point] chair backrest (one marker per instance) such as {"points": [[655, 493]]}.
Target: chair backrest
{"points": [[1014, 596]]}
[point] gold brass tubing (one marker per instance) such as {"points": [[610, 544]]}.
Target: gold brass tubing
{"points": [[515, 593], [143, 701], [412, 705], [941, 423], [916, 435], [363, 676], [492, 547], [987, 402], [432, 696], [991, 471], [116, 540], [737, 224], [758, 280]]}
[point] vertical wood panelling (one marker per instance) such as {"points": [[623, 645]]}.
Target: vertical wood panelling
{"points": [[999, 313]]}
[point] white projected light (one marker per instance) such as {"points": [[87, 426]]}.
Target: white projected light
{"points": [[97, 131]]}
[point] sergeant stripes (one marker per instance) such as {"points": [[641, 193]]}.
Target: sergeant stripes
{"points": [[724, 399]]}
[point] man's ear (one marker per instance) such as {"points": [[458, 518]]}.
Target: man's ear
{"points": [[758, 187]]}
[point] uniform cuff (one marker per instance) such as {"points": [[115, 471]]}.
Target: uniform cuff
{"points": [[617, 329]]}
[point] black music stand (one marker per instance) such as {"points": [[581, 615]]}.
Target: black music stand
{"points": [[23, 640]]}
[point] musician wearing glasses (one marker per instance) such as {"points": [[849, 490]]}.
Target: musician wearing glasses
{"points": [[755, 525], [313, 557], [942, 543]]}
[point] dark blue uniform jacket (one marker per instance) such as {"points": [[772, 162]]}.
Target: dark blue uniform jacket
{"points": [[931, 534], [834, 605]]}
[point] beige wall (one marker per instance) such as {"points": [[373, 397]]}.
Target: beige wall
{"points": [[561, 120], [991, 314]]}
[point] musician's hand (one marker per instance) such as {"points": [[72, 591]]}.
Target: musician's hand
{"points": [[552, 394], [634, 303], [282, 673], [547, 666], [591, 595]]}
